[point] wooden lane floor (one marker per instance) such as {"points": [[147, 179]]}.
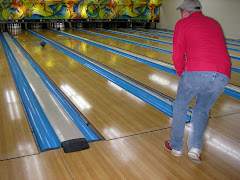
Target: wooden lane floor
{"points": [[111, 110], [135, 157], [137, 49], [164, 57], [236, 63], [154, 78], [16, 138], [227, 125]]}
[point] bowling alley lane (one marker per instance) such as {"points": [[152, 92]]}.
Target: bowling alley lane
{"points": [[159, 80], [16, 137], [154, 78], [164, 57], [235, 63], [111, 110], [161, 56], [154, 54]]}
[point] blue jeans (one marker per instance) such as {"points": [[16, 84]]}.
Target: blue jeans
{"points": [[206, 86]]}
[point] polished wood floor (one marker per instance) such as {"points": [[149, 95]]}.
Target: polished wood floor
{"points": [[134, 131]]}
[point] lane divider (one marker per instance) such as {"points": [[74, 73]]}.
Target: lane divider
{"points": [[151, 97], [43, 131], [151, 30], [233, 40], [145, 33], [233, 44]]}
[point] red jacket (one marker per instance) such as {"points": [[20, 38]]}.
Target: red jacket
{"points": [[200, 39]]}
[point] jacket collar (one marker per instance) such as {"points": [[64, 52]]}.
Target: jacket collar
{"points": [[196, 14]]}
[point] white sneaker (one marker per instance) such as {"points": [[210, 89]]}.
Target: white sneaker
{"points": [[176, 153], [194, 154]]}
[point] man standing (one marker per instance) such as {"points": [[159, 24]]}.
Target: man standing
{"points": [[201, 60]]}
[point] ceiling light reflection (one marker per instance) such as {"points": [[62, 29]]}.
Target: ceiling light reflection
{"points": [[13, 96], [10, 96], [76, 98], [221, 144], [112, 132], [156, 78], [35, 165], [13, 108], [118, 88], [130, 95]]}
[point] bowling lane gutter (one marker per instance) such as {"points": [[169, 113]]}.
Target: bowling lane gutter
{"points": [[70, 137], [140, 32], [74, 115], [147, 94], [230, 90]]}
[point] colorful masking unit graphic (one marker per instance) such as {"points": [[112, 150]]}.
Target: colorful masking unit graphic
{"points": [[80, 9]]}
